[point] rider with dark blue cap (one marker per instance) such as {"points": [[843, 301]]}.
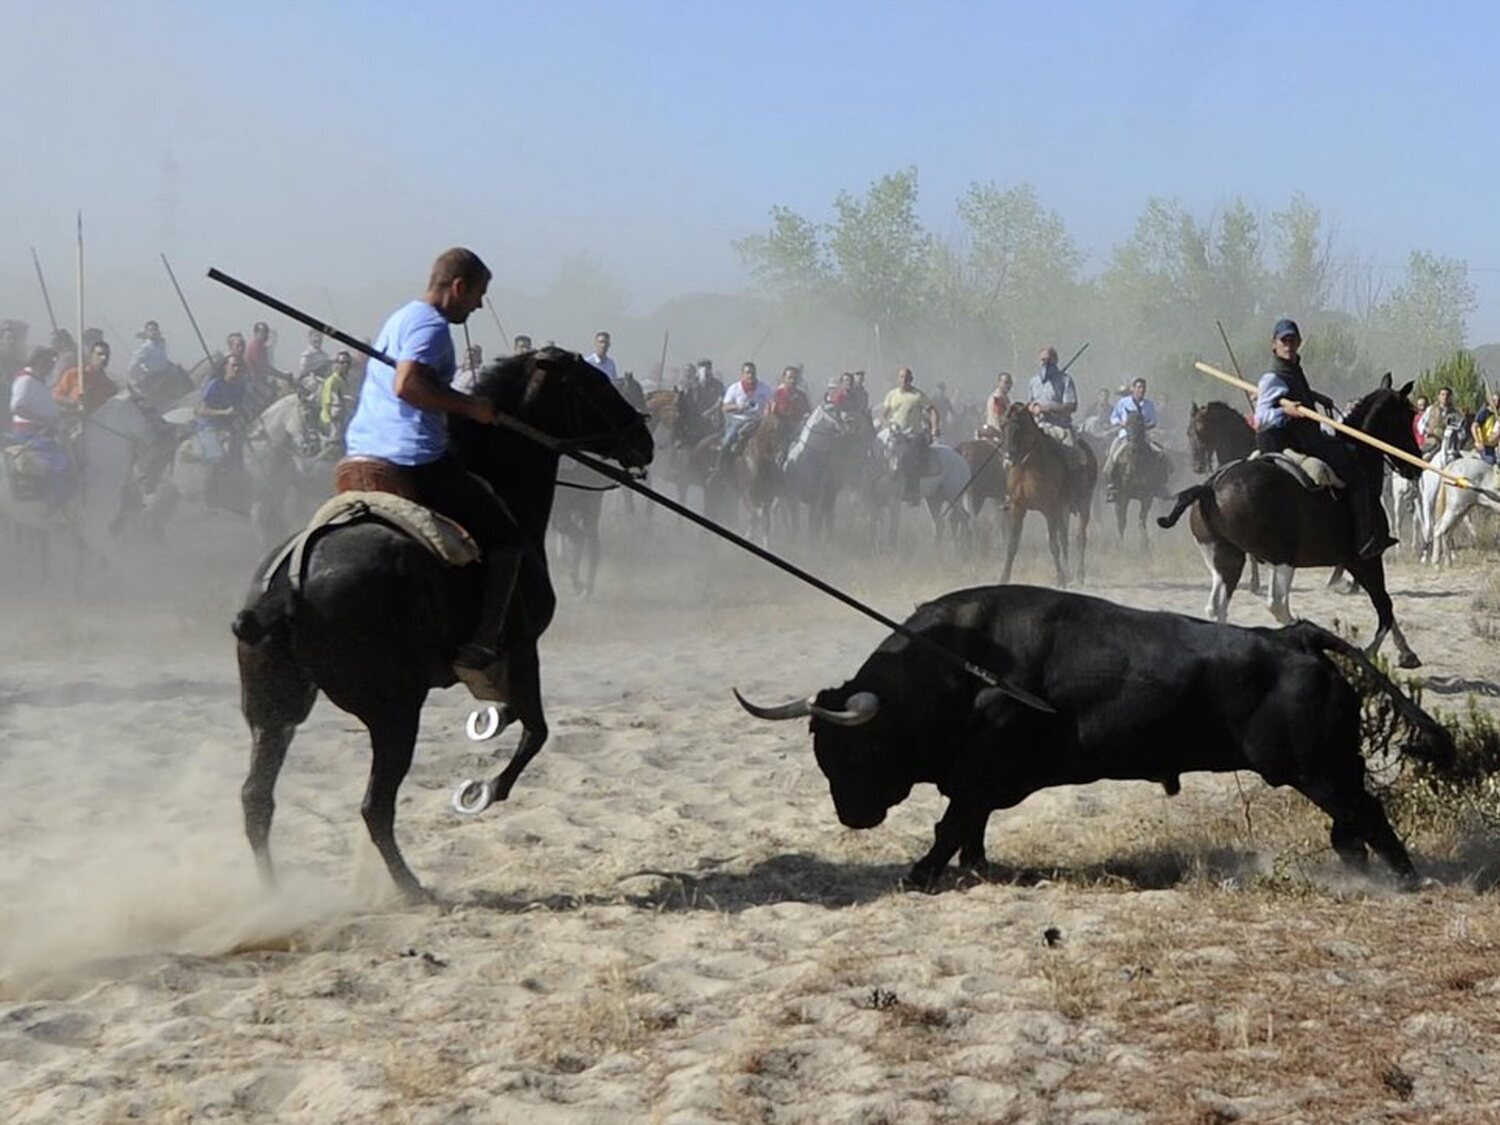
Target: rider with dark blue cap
{"points": [[1277, 431]]}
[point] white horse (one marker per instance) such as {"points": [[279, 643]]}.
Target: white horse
{"points": [[1458, 503], [1412, 502], [943, 479], [104, 457]]}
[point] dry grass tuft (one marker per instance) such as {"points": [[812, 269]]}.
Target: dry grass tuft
{"points": [[612, 1014]]}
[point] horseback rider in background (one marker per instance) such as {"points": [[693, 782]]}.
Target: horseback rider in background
{"points": [[1277, 431]]}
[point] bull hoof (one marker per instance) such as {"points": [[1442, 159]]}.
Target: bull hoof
{"points": [[923, 877], [1409, 660]]}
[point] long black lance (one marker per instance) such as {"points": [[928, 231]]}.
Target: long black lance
{"points": [[975, 475], [191, 319], [46, 297], [625, 480]]}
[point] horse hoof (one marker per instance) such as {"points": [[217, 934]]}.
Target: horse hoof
{"points": [[472, 797], [1409, 660], [477, 733]]}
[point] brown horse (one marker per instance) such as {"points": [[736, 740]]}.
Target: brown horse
{"points": [[986, 461], [1043, 475], [1256, 508], [757, 471]]}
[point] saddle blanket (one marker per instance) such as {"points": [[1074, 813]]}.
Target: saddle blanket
{"points": [[1310, 472], [442, 536]]}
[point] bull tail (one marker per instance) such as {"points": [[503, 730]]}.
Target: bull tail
{"points": [[1433, 742], [1185, 500]]}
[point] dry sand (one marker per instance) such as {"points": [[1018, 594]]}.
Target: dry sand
{"points": [[666, 922]]}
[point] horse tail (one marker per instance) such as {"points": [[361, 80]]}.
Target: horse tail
{"points": [[1433, 743], [269, 618], [1185, 500]]}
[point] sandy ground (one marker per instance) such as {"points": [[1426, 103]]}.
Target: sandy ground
{"points": [[666, 921]]}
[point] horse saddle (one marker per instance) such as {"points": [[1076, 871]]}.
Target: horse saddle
{"points": [[1310, 472], [443, 537]]}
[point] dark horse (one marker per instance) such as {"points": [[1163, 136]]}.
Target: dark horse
{"points": [[1043, 475], [1256, 508], [378, 618], [1141, 472], [757, 471], [1217, 432]]}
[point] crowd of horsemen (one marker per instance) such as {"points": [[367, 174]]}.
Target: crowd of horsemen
{"points": [[210, 410]]}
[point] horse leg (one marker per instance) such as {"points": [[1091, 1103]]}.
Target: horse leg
{"points": [[1017, 516], [276, 697], [1057, 542], [1145, 505], [1083, 538], [1279, 603], [1122, 505], [523, 693], [1226, 563], [1370, 573], [1254, 585], [393, 737]]}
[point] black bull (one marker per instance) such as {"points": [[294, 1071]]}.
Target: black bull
{"points": [[1138, 695]]}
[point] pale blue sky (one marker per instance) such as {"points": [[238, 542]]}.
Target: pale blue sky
{"points": [[339, 144]]}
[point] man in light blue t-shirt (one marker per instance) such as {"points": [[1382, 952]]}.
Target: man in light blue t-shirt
{"points": [[402, 418]]}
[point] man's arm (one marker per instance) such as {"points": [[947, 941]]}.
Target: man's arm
{"points": [[417, 384]]}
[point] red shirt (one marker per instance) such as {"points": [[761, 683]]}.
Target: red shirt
{"points": [[98, 388], [790, 400]]}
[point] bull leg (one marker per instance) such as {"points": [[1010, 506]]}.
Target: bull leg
{"points": [[958, 828], [971, 855], [393, 737], [1358, 819], [276, 697]]}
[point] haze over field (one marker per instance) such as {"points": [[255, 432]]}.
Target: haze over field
{"points": [[607, 157]]}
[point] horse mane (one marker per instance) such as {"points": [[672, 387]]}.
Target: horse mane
{"points": [[1218, 406], [1359, 416], [505, 380]]}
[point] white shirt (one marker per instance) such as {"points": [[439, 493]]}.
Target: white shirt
{"points": [[736, 401], [31, 404], [605, 364]]}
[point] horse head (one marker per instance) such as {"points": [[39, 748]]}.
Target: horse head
{"points": [[1020, 434], [565, 397], [1198, 440], [1385, 413]]}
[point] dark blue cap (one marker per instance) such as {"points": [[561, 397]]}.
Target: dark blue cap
{"points": [[1285, 327]]}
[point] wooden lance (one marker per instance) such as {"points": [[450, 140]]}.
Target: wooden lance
{"points": [[46, 297]]}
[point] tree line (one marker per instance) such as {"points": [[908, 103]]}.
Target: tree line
{"points": [[1013, 277]]}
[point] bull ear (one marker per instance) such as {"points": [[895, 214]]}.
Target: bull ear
{"points": [[1406, 390], [1194, 412], [1385, 381]]}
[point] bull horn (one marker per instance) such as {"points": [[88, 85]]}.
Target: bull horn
{"points": [[861, 708], [796, 709]]}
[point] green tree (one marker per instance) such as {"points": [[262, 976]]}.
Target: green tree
{"points": [[1459, 371], [789, 259], [881, 253], [1423, 321], [1303, 282], [1022, 267]]}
